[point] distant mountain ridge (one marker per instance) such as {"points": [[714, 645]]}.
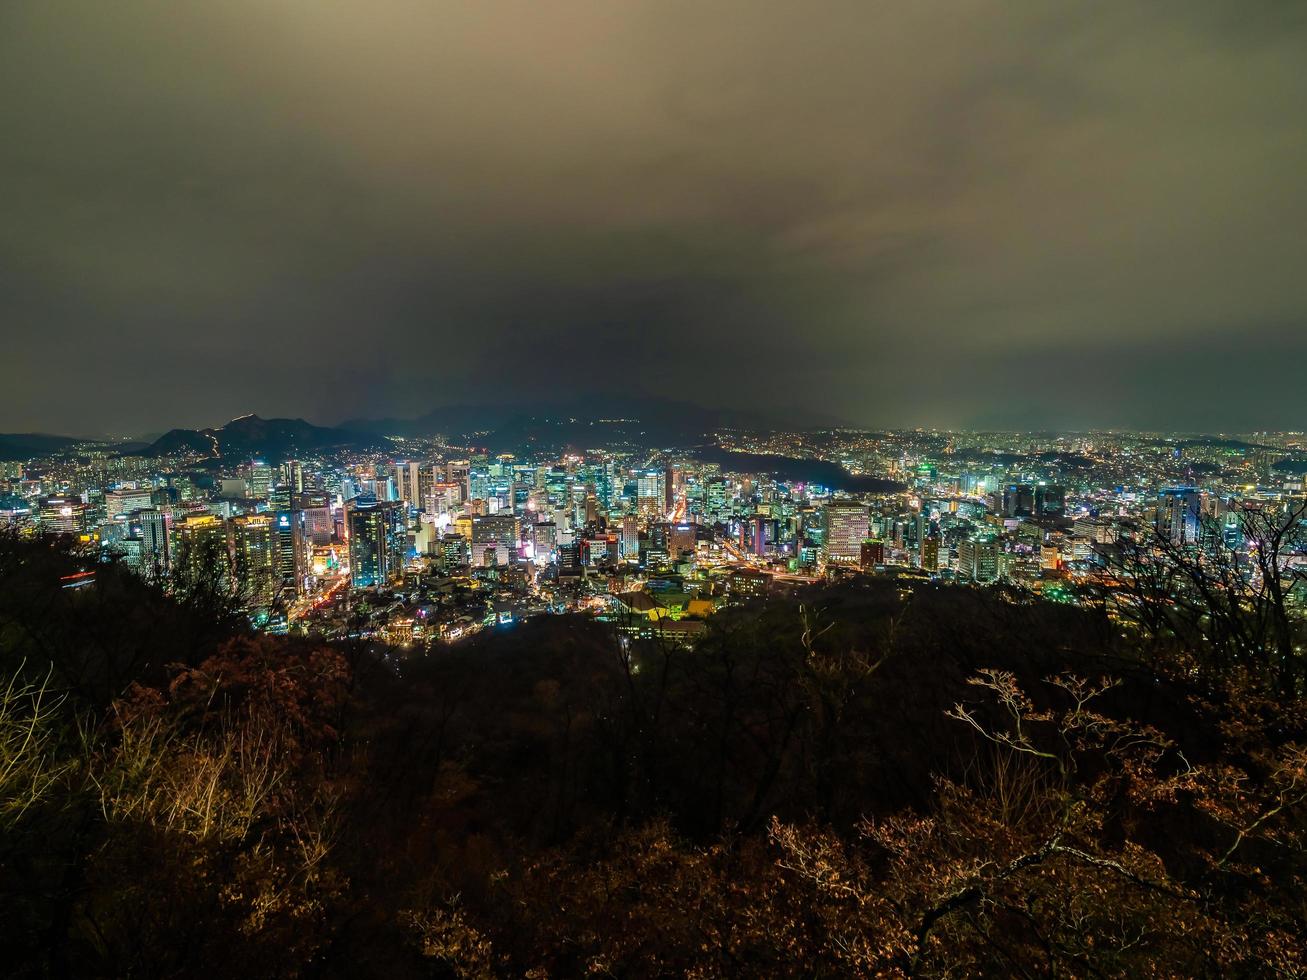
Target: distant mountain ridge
{"points": [[269, 439], [643, 420], [26, 445]]}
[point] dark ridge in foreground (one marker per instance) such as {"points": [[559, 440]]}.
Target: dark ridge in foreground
{"points": [[866, 779]]}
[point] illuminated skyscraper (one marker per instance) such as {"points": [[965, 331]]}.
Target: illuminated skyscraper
{"points": [[200, 547], [680, 541], [928, 556], [119, 502], [651, 492], [292, 474], [149, 527], [290, 549], [503, 530], [1178, 515], [845, 525], [978, 560], [408, 482], [376, 545], [259, 480], [62, 515], [630, 536], [253, 558]]}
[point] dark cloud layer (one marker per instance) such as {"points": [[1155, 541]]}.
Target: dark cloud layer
{"points": [[957, 213]]}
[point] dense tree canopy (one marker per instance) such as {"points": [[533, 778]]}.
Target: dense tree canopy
{"points": [[861, 780]]}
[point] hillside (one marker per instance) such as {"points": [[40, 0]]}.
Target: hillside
{"points": [[269, 439], [27, 445]]}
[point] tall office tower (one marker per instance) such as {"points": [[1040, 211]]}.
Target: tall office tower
{"points": [[280, 496], [873, 554], [928, 555], [149, 527], [630, 536], [314, 508], [119, 502], [200, 547], [1178, 515], [845, 524], [376, 545], [253, 558], [595, 551], [1018, 500], [478, 482], [544, 540], [680, 541], [716, 500], [1050, 500], [292, 474], [453, 552], [501, 529], [442, 499], [291, 549], [650, 492], [408, 482], [258, 480], [429, 477], [458, 472], [569, 558], [62, 514], [978, 560]]}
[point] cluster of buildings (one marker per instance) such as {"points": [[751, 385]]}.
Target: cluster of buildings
{"points": [[432, 541]]}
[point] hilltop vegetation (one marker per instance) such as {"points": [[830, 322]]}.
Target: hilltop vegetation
{"points": [[862, 780]]}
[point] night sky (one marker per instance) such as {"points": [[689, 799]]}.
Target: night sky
{"points": [[898, 213]]}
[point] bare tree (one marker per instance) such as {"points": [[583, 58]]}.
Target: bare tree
{"points": [[1226, 601]]}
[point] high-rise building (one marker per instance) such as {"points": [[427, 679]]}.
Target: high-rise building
{"points": [[873, 554], [458, 472], [650, 492], [1178, 515], [409, 482], [124, 501], [1050, 500], [314, 507], [200, 547], [630, 536], [928, 556], [1018, 500], [501, 529], [62, 515], [292, 474], [544, 539], [258, 480], [376, 545], [291, 549], [453, 552], [150, 528], [680, 541], [253, 558], [717, 500], [978, 560], [845, 526]]}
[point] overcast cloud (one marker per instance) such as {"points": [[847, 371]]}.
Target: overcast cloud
{"points": [[950, 213]]}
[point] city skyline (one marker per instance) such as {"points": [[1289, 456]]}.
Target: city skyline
{"points": [[653, 488], [969, 215]]}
